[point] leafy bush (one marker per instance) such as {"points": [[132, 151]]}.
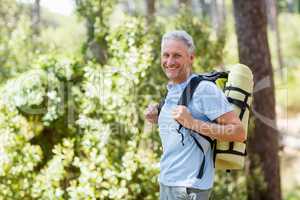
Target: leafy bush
{"points": [[74, 129]]}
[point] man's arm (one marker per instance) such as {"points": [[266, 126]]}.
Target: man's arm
{"points": [[227, 128]]}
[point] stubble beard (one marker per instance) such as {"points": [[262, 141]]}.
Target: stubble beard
{"points": [[181, 75]]}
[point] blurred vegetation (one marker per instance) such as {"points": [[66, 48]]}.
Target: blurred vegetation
{"points": [[71, 117], [20, 46], [290, 48]]}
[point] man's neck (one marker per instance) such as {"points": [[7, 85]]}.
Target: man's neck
{"points": [[182, 80]]}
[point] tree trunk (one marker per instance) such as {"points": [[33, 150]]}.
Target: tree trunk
{"points": [[90, 26], [36, 17], [150, 4], [217, 16], [250, 22], [271, 9], [271, 13]]}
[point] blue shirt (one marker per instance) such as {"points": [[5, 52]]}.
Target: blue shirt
{"points": [[180, 164]]}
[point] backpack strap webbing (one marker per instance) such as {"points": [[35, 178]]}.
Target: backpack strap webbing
{"points": [[201, 171], [160, 105], [185, 99], [243, 105]]}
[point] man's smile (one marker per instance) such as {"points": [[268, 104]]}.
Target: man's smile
{"points": [[173, 68]]}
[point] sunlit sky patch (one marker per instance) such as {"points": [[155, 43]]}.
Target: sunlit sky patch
{"points": [[64, 7]]}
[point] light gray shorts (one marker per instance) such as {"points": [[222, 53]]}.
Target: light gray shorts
{"points": [[182, 193]]}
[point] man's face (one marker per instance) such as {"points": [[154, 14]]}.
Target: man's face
{"points": [[176, 61]]}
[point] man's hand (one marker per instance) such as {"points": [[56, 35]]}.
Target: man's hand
{"points": [[183, 116], [151, 114]]}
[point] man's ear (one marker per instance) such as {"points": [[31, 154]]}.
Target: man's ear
{"points": [[192, 57]]}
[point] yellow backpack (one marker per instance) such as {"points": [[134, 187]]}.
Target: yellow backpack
{"points": [[238, 90]]}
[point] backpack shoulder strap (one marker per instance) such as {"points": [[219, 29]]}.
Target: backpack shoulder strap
{"points": [[187, 95], [189, 90], [160, 105]]}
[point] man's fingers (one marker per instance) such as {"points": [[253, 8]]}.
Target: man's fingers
{"points": [[151, 113], [151, 110], [175, 114]]}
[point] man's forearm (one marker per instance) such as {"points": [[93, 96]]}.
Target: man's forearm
{"points": [[226, 132]]}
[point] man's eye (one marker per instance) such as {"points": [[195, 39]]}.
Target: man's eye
{"points": [[177, 56]]}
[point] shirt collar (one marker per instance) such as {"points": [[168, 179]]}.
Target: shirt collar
{"points": [[182, 85]]}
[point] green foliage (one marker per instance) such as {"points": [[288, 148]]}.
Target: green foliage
{"points": [[209, 51], [111, 99], [63, 34], [229, 186], [12, 39], [75, 130], [20, 46], [46, 95], [35, 95], [18, 156], [288, 5], [293, 195], [290, 42], [287, 92], [97, 16]]}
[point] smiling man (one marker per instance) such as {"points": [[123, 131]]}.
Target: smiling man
{"points": [[182, 157]]}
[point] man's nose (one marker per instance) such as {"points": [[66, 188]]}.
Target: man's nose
{"points": [[170, 61]]}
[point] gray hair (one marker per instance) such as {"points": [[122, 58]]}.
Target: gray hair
{"points": [[182, 36]]}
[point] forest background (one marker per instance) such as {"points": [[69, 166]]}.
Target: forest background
{"points": [[74, 87]]}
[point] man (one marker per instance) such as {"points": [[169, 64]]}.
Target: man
{"points": [[181, 158]]}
